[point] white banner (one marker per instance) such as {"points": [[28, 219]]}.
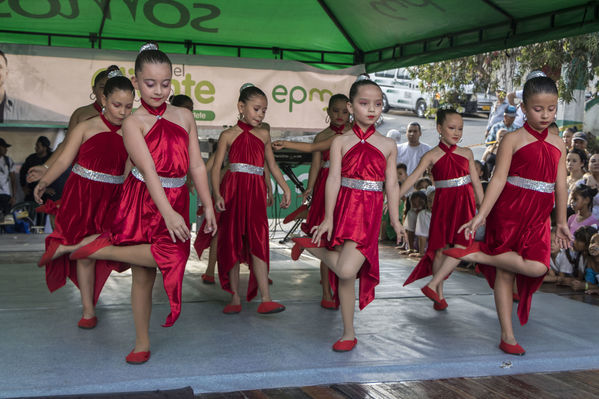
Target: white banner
{"points": [[59, 80]]}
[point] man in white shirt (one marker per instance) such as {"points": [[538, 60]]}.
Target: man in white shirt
{"points": [[411, 152], [8, 179]]}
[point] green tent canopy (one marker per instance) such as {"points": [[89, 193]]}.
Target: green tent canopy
{"points": [[330, 34]]}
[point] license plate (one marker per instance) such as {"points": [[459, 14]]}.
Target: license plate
{"points": [[486, 107]]}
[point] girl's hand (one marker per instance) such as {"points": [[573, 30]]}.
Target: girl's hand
{"points": [[402, 236], [278, 145], [326, 227], [210, 227], [473, 225], [176, 226], [39, 190], [219, 203], [306, 194], [35, 173], [563, 237], [286, 198]]}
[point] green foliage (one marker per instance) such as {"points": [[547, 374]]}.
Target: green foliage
{"points": [[449, 80]]}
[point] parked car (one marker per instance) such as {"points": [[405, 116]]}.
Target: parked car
{"points": [[401, 91], [484, 102]]}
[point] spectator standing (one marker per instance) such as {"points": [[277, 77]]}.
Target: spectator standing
{"points": [[579, 140], [39, 157], [567, 137], [411, 152], [498, 109], [507, 123], [8, 179]]}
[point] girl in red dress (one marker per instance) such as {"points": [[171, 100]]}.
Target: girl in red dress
{"points": [[362, 160], [241, 199], [151, 228], [529, 178], [81, 114], [91, 195], [319, 171], [456, 183]]}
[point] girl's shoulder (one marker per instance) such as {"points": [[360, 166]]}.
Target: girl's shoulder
{"points": [[465, 152]]}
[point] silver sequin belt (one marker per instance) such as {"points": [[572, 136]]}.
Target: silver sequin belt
{"points": [[97, 176], [326, 164], [366, 185], [246, 168], [167, 182], [450, 183], [540, 186]]}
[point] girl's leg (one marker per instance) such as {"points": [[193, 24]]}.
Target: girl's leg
{"points": [[510, 262], [86, 275], [234, 281], [324, 281], [349, 263], [444, 265], [139, 254], [141, 304], [330, 258], [211, 258], [261, 273], [504, 303]]}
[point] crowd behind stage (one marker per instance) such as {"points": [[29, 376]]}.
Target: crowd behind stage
{"points": [[577, 267]]}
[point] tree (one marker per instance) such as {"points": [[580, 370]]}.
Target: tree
{"points": [[580, 55]]}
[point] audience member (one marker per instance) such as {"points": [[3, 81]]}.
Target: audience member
{"points": [[42, 153], [411, 152], [423, 222], [8, 179], [507, 123], [497, 110], [576, 161]]}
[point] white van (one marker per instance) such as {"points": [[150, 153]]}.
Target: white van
{"points": [[401, 91]]}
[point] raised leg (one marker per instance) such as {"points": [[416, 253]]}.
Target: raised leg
{"points": [[510, 262], [141, 304], [133, 254]]}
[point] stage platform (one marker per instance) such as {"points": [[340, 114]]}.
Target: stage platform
{"points": [[401, 337]]}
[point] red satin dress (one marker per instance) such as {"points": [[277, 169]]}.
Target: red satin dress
{"points": [[88, 206], [138, 220], [316, 210], [358, 213], [452, 207], [243, 226], [520, 219]]}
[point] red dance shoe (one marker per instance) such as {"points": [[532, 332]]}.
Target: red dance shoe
{"points": [[47, 256], [94, 246], [269, 282], [270, 307], [512, 349], [515, 297], [431, 294], [330, 305], [345, 346], [87, 324], [296, 251], [461, 252], [232, 309], [206, 279], [294, 215], [441, 305], [138, 357]]}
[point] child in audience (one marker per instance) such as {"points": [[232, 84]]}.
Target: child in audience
{"points": [[387, 231], [581, 201], [576, 262], [423, 222], [576, 161], [417, 202]]}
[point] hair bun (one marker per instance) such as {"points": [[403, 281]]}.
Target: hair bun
{"points": [[245, 86], [114, 73], [148, 46]]}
